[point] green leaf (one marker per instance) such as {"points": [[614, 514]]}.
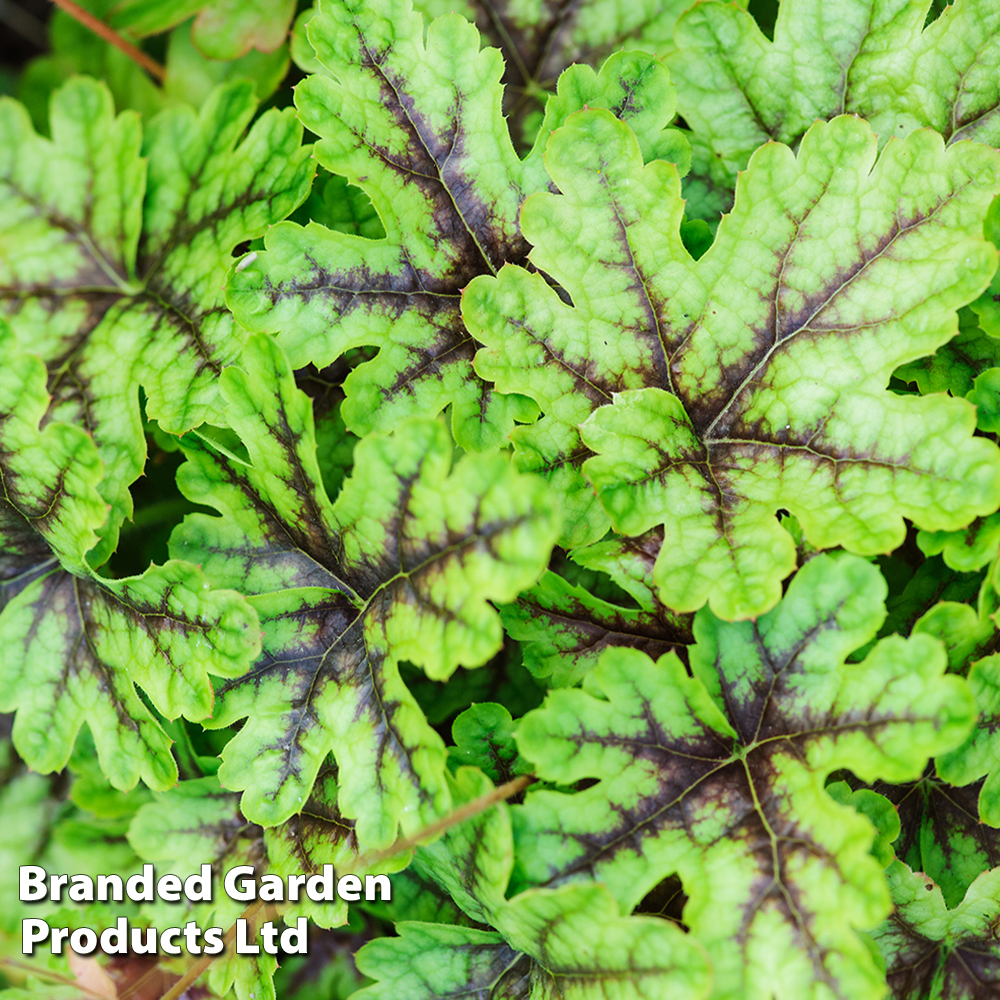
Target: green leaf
{"points": [[629, 957], [439, 167], [338, 205], [938, 831], [955, 366], [198, 823], [933, 582], [635, 958], [565, 629], [401, 567], [429, 961], [878, 809], [472, 861], [484, 737], [42, 827], [319, 835], [632, 958], [966, 550], [334, 442], [30, 809], [192, 76], [76, 648], [415, 898], [91, 790], [967, 633], [75, 645], [76, 50], [719, 778], [50, 509], [979, 756], [687, 383], [503, 679], [539, 40], [223, 29], [936, 953], [738, 90], [631, 563], [228, 29], [115, 278], [985, 396], [944, 837]]}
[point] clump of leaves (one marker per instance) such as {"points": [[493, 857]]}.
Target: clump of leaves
{"points": [[719, 777], [619, 575], [739, 90], [421, 156], [400, 567], [674, 395], [121, 264], [535, 944], [76, 645]]}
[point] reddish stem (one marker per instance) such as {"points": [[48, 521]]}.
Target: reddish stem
{"points": [[99, 28]]}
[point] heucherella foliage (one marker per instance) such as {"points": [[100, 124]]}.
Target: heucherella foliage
{"points": [[222, 29], [719, 778], [969, 365], [979, 756], [564, 629], [80, 833], [438, 164], [119, 242], [940, 834], [76, 646], [971, 636], [541, 39], [706, 395], [400, 567], [966, 550], [190, 76], [529, 420], [198, 822], [956, 366], [535, 950], [935, 951], [875, 58]]}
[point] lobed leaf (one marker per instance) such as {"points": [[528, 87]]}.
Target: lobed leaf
{"points": [[955, 366], [940, 833], [966, 550], [537, 953], [197, 823], [42, 826], [75, 649], [719, 778], [401, 567], [873, 58], [565, 629], [114, 274], [979, 756], [484, 737], [676, 391], [971, 637], [933, 951], [222, 29], [438, 164], [540, 40], [76, 645]]}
